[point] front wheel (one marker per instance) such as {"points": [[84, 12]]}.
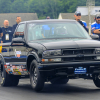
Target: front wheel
{"points": [[96, 80], [36, 80]]}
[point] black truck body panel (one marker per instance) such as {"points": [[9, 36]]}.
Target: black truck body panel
{"points": [[21, 54]]}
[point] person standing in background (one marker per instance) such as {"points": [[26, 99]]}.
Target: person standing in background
{"points": [[7, 32], [1, 34], [95, 27], [77, 16], [18, 20]]}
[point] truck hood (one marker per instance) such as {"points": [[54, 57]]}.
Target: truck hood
{"points": [[66, 43]]}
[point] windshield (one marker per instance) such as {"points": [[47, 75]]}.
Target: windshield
{"points": [[56, 30]]}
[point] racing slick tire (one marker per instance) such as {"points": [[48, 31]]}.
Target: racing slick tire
{"points": [[7, 79], [37, 82], [96, 80], [59, 81]]}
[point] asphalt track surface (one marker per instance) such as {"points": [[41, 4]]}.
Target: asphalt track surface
{"points": [[78, 89]]}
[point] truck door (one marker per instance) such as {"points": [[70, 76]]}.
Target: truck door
{"points": [[18, 50]]}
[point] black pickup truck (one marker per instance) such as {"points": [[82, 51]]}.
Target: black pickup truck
{"points": [[50, 51]]}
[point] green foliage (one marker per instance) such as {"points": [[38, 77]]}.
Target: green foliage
{"points": [[5, 6], [43, 8], [18, 6], [97, 2]]}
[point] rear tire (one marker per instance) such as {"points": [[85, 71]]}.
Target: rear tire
{"points": [[15, 80], [7, 79], [37, 82]]}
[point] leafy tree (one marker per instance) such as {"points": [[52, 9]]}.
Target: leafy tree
{"points": [[43, 8], [97, 2], [82, 2], [18, 6], [5, 6]]}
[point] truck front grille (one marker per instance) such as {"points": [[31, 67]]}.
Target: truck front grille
{"points": [[77, 52], [78, 58]]}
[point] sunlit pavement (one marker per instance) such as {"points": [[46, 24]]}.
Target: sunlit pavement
{"points": [[78, 89]]}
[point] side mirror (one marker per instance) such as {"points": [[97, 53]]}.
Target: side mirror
{"points": [[18, 40], [94, 37]]}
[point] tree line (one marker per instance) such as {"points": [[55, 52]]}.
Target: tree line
{"points": [[43, 8]]}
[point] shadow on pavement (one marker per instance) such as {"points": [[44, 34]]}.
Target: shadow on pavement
{"points": [[67, 89], [49, 88]]}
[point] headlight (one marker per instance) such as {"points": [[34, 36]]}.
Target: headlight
{"points": [[51, 53], [98, 58], [97, 50]]}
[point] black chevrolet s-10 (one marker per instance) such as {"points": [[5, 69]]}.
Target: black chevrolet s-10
{"points": [[50, 50]]}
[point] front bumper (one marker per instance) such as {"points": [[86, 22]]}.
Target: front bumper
{"points": [[68, 67], [68, 64]]}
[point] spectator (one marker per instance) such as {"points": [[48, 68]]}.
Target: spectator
{"points": [[48, 17], [77, 16], [7, 32], [1, 34], [96, 26], [18, 20]]}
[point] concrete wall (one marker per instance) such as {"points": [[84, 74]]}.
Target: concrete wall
{"points": [[12, 17]]}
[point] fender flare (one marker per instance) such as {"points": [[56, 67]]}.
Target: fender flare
{"points": [[34, 54]]}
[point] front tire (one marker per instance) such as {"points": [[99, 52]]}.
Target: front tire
{"points": [[36, 80], [96, 81]]}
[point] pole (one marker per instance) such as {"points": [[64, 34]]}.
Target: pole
{"points": [[89, 11], [90, 5]]}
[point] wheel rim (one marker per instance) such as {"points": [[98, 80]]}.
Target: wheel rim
{"points": [[97, 78], [34, 77]]}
